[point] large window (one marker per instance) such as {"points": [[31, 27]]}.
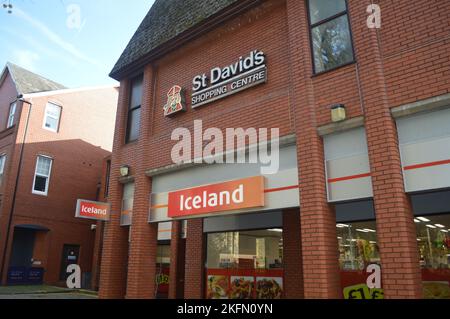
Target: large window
{"points": [[12, 113], [127, 205], [358, 251], [330, 34], [433, 239], [52, 116], [2, 167], [134, 110], [42, 175], [245, 265]]}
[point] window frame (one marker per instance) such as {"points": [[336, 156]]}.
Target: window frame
{"points": [[324, 21], [3, 158], [11, 116], [132, 108], [47, 184], [46, 116]]}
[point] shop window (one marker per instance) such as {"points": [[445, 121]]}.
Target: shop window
{"points": [[127, 205], [134, 110], [42, 175], [12, 113], [52, 116], [2, 167], [245, 265], [331, 39], [359, 260], [162, 270], [433, 239]]}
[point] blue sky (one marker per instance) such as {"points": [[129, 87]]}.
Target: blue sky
{"points": [[75, 43]]}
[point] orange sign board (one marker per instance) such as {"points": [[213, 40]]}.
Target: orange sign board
{"points": [[227, 196], [92, 210]]}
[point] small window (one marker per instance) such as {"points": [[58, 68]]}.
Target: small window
{"points": [[330, 34], [2, 167], [42, 175], [12, 113], [52, 116], [134, 110], [127, 205]]}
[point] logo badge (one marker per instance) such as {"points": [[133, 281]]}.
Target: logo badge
{"points": [[175, 101]]}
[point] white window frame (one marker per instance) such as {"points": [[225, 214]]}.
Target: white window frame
{"points": [[11, 115], [48, 177], [2, 167], [47, 115]]}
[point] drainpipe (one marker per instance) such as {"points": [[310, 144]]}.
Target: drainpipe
{"points": [[11, 213]]}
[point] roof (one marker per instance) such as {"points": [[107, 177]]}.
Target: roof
{"points": [[27, 82], [166, 20]]}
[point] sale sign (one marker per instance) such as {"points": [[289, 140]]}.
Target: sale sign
{"points": [[92, 210], [227, 196]]}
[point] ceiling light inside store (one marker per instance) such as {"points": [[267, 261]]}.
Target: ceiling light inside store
{"points": [[431, 226], [342, 226], [276, 230], [363, 230], [439, 225], [444, 231], [423, 219], [369, 230], [416, 220]]}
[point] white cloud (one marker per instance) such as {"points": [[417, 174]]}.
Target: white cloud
{"points": [[26, 59], [55, 38]]}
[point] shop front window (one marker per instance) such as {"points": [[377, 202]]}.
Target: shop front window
{"points": [[162, 270], [245, 265], [433, 239], [359, 260]]}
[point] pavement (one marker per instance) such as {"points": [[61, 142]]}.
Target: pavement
{"points": [[44, 292]]}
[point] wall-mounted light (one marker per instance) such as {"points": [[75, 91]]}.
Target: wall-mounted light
{"points": [[124, 170], [338, 113]]}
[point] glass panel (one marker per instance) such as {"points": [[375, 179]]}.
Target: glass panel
{"points": [[245, 265], [12, 111], [43, 166], [433, 239], [136, 92], [134, 122], [358, 254], [2, 163], [323, 9], [332, 44], [53, 110], [51, 123], [162, 271], [40, 184]]}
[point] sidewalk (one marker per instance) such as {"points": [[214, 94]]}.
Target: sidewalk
{"points": [[44, 292]]}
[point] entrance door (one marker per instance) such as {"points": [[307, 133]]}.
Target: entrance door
{"points": [[70, 256], [22, 249]]}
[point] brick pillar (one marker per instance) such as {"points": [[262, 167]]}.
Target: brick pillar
{"points": [[318, 222], [115, 248], [96, 257], [396, 229], [194, 275], [292, 256], [144, 236], [175, 243]]}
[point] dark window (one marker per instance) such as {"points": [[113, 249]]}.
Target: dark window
{"points": [[40, 184], [134, 110], [330, 34]]}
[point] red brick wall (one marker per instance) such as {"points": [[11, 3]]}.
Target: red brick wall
{"points": [[194, 278], [83, 140], [402, 62]]}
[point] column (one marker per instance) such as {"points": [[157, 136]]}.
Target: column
{"points": [[194, 273]]}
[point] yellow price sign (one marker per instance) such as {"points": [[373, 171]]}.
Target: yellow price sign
{"points": [[362, 292]]}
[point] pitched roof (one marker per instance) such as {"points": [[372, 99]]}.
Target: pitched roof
{"points": [[166, 20], [28, 82]]}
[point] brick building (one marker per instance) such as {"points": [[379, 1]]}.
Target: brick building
{"points": [[363, 182], [52, 144]]}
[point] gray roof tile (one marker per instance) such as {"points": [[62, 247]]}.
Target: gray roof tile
{"points": [[28, 82], [166, 20]]}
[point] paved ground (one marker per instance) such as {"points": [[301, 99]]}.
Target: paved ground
{"points": [[44, 292]]}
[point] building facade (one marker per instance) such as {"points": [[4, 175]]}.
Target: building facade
{"points": [[52, 144], [358, 206]]}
